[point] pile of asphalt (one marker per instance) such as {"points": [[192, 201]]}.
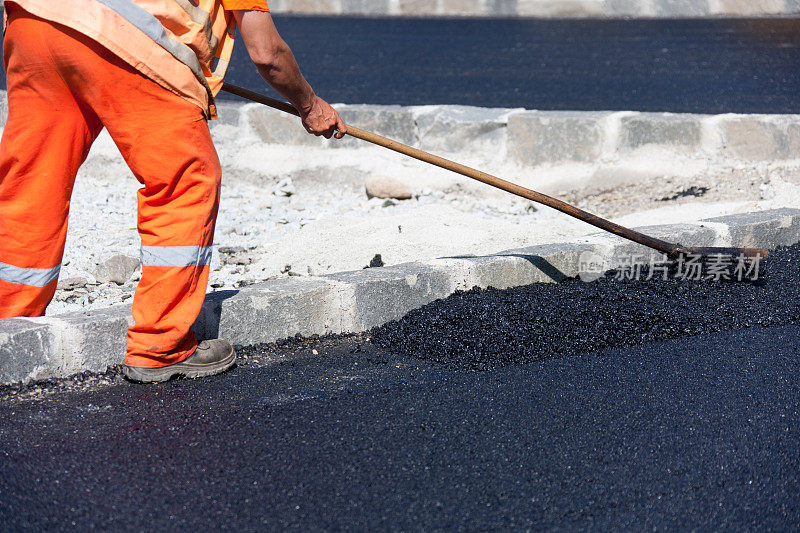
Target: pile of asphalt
{"points": [[481, 329]]}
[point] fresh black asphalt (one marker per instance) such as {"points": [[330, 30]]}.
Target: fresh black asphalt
{"points": [[692, 66], [525, 323], [697, 66], [699, 431]]}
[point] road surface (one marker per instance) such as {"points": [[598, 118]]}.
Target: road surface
{"points": [[696, 431], [698, 66]]}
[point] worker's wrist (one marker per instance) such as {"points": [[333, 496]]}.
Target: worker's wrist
{"points": [[307, 103]]}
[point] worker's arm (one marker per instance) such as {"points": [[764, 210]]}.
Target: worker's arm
{"points": [[276, 64]]}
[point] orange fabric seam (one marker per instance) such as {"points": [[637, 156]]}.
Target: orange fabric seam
{"points": [[253, 5]]}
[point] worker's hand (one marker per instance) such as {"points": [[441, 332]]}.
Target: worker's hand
{"points": [[321, 119]]}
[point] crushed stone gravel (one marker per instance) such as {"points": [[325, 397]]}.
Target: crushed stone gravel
{"points": [[306, 207]]}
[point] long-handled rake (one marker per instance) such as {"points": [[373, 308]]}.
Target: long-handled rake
{"points": [[672, 251]]}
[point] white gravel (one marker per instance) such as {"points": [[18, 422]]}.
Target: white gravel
{"points": [[328, 225]]}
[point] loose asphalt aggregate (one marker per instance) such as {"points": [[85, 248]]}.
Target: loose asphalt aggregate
{"points": [[631, 431], [485, 328]]}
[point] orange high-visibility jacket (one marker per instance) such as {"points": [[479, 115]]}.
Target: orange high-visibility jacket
{"points": [[183, 45]]}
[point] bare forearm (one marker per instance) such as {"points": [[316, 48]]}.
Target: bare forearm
{"points": [[283, 74], [273, 58], [276, 64]]}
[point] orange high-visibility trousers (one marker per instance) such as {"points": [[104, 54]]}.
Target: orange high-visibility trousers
{"points": [[63, 88]]}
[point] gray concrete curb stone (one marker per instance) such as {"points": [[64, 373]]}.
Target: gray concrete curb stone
{"points": [[58, 346], [766, 229], [679, 130], [555, 136], [87, 340], [454, 129], [528, 138], [269, 311], [759, 137], [686, 234], [27, 347], [375, 296], [393, 121], [540, 8]]}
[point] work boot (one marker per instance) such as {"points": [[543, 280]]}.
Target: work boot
{"points": [[210, 357]]}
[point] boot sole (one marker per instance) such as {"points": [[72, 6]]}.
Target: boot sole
{"points": [[179, 370]]}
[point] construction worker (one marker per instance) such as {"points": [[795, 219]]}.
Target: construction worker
{"points": [[147, 71]]}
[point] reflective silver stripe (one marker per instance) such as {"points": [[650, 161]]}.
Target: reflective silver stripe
{"points": [[149, 24], [202, 17], [34, 277], [218, 66], [176, 256]]}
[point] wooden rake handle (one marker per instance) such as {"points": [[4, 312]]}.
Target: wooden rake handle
{"points": [[672, 250]]}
